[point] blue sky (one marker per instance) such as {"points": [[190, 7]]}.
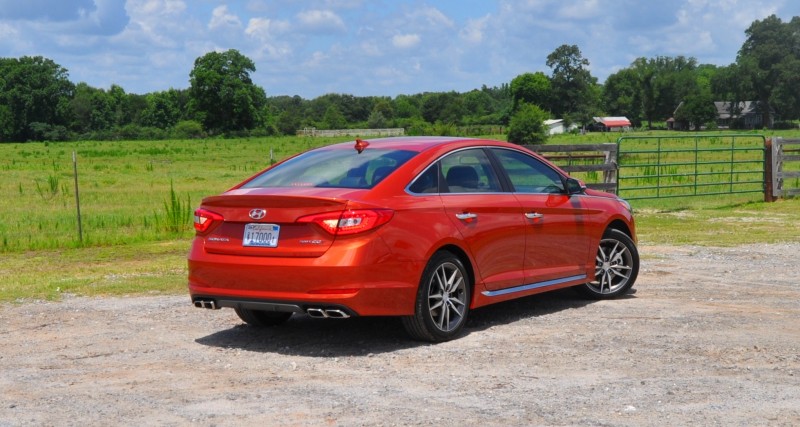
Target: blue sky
{"points": [[363, 47]]}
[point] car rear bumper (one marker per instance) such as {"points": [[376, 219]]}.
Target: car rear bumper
{"points": [[313, 310], [356, 280]]}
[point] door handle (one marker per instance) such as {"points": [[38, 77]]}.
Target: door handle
{"points": [[533, 215], [466, 216]]}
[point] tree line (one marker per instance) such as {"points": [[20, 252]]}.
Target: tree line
{"points": [[38, 102]]}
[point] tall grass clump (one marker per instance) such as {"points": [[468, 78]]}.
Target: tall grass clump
{"points": [[50, 190], [177, 212]]}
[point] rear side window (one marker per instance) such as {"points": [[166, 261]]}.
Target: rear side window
{"points": [[469, 171], [333, 168], [528, 174], [427, 182], [465, 171]]}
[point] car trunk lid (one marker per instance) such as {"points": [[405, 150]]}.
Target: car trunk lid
{"points": [[266, 224]]}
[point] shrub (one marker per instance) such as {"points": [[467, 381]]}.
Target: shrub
{"points": [[188, 129], [527, 126]]}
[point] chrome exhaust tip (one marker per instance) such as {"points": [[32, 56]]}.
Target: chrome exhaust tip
{"points": [[317, 313], [327, 313], [208, 304], [336, 314]]}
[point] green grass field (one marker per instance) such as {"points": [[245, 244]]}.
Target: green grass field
{"points": [[129, 191], [137, 198]]}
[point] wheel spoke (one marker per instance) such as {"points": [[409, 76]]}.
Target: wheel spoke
{"points": [[437, 304], [617, 272], [441, 279], [601, 255], [454, 282], [456, 300], [617, 256]]}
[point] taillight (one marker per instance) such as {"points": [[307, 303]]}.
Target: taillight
{"points": [[204, 219], [349, 222]]}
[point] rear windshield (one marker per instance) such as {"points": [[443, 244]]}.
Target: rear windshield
{"points": [[333, 168]]}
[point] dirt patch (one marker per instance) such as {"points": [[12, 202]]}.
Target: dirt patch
{"points": [[711, 336]]}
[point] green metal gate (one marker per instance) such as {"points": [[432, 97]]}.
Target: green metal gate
{"points": [[651, 167]]}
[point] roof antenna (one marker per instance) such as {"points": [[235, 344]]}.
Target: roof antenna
{"points": [[361, 145]]}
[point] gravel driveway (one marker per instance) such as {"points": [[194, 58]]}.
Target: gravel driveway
{"points": [[711, 336]]}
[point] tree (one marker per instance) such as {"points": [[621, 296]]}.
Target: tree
{"points": [[621, 95], [406, 107], [785, 96], [663, 82], [531, 88], [222, 93], [384, 107], [677, 79], [697, 109], [445, 107], [730, 84], [32, 90], [574, 91], [290, 119], [769, 60], [91, 109], [376, 120], [163, 109], [527, 125], [333, 118]]}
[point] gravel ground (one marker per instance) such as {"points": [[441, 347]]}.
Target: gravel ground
{"points": [[711, 336]]}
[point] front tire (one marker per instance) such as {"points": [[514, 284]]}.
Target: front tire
{"points": [[262, 318], [443, 299], [616, 267]]}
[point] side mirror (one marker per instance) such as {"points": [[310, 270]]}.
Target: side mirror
{"points": [[575, 186]]}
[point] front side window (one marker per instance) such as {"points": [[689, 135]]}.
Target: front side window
{"points": [[333, 168], [528, 174]]}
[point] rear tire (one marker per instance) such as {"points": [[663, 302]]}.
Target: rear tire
{"points": [[262, 318], [443, 299], [616, 267]]}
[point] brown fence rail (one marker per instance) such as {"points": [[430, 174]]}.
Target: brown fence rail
{"points": [[786, 167], [350, 132], [585, 161]]}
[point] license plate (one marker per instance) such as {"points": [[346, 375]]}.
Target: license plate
{"points": [[261, 235]]}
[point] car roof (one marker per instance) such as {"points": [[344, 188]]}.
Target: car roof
{"points": [[418, 143]]}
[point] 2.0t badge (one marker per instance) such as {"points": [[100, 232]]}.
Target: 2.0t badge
{"points": [[258, 213]]}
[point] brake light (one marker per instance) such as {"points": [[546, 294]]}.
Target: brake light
{"points": [[349, 222], [204, 219]]}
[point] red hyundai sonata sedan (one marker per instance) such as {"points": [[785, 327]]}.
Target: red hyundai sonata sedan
{"points": [[425, 228]]}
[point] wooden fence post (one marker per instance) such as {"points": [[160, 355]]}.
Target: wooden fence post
{"points": [[768, 171]]}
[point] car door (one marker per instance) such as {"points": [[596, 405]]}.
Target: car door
{"points": [[488, 219], [556, 238]]}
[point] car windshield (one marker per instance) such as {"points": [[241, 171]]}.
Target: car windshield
{"points": [[333, 168]]}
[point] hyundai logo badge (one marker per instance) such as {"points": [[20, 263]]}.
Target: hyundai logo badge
{"points": [[258, 213]]}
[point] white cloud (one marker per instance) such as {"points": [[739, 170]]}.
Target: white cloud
{"points": [[582, 10], [405, 41], [369, 48], [432, 17], [222, 19], [474, 30], [321, 21], [158, 23], [156, 7], [265, 29], [264, 32], [317, 59]]}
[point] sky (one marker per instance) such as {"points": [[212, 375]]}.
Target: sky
{"points": [[368, 47]]}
